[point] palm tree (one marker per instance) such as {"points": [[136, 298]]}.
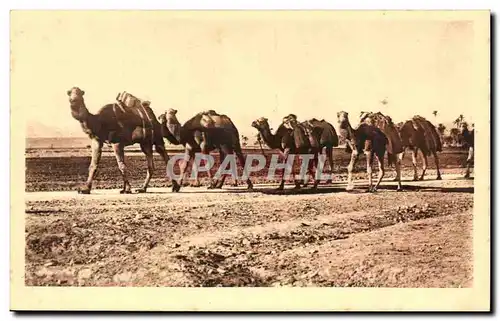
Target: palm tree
{"points": [[435, 113], [454, 133], [456, 122], [441, 128]]}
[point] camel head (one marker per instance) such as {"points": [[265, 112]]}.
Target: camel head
{"points": [[167, 115], [75, 95], [76, 101], [290, 121], [171, 123], [261, 123], [343, 119]]}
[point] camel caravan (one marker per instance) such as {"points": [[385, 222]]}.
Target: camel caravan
{"points": [[129, 121]]}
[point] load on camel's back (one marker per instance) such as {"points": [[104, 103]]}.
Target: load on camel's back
{"points": [[129, 103], [386, 125], [394, 143], [417, 134], [431, 136]]}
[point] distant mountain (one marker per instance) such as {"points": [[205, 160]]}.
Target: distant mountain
{"points": [[36, 129]]}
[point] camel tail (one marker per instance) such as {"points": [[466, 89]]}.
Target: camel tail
{"points": [[391, 157]]}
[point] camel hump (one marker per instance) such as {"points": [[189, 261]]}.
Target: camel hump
{"points": [[210, 112], [386, 125], [430, 133], [217, 120], [329, 134]]}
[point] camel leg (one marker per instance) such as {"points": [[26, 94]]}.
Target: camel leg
{"points": [[298, 182], [424, 166], [381, 171], [282, 183], [160, 149], [235, 179], [329, 155], [303, 181], [194, 168], [350, 167], [183, 165], [414, 162], [241, 159], [221, 180], [120, 159], [94, 163], [400, 160], [436, 160], [209, 174], [369, 157], [398, 173], [313, 170], [147, 149], [470, 157], [214, 182], [211, 182]]}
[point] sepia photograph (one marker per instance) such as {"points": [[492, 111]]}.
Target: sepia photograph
{"points": [[154, 152]]}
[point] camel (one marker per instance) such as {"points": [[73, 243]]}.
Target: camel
{"points": [[119, 126], [193, 142], [367, 139], [394, 144], [204, 132], [325, 134], [298, 129], [417, 134], [467, 137], [287, 140]]}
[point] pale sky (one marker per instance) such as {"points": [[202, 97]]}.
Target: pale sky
{"points": [[245, 66]]}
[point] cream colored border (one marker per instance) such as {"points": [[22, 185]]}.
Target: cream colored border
{"points": [[368, 299]]}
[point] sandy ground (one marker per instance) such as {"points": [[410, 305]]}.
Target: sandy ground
{"points": [[420, 237]]}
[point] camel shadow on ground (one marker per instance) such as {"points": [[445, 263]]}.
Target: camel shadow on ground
{"points": [[292, 191], [362, 188], [334, 187], [417, 188]]}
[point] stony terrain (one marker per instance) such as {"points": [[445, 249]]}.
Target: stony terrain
{"points": [[420, 237]]}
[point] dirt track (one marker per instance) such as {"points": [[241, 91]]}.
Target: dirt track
{"points": [[417, 238]]}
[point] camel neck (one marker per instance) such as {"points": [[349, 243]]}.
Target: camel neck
{"points": [[81, 113], [87, 120], [349, 131], [268, 137]]}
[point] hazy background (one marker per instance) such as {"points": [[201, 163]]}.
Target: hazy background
{"points": [[242, 65]]}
